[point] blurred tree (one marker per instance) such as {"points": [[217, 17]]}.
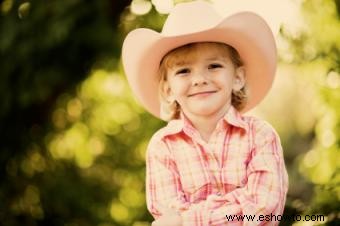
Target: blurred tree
{"points": [[316, 51], [73, 137], [46, 49]]}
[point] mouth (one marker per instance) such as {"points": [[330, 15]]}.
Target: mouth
{"points": [[204, 93]]}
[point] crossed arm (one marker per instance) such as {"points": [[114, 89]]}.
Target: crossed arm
{"points": [[263, 194]]}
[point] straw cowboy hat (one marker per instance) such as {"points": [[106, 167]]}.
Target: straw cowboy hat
{"points": [[197, 21]]}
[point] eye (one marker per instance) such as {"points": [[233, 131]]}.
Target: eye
{"points": [[182, 71], [215, 66]]}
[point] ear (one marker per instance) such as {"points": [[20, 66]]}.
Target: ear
{"points": [[239, 80], [166, 92]]}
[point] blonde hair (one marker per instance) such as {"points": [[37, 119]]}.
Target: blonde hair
{"points": [[170, 109]]}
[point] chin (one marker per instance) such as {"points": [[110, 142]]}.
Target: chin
{"points": [[204, 111]]}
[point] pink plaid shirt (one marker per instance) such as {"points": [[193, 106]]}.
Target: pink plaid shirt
{"points": [[240, 171]]}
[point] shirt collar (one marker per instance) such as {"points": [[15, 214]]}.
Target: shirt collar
{"points": [[234, 117], [183, 124]]}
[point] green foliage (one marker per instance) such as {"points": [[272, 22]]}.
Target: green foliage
{"points": [[318, 46], [74, 138], [46, 49]]}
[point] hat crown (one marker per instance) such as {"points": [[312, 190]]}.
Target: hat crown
{"points": [[191, 17]]}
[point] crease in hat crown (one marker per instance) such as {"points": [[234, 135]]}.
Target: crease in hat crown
{"points": [[190, 17]]}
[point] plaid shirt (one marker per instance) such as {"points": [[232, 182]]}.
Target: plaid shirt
{"points": [[240, 171]]}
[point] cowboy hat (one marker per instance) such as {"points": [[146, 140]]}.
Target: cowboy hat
{"points": [[197, 21]]}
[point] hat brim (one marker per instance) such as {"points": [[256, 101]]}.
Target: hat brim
{"points": [[143, 50]]}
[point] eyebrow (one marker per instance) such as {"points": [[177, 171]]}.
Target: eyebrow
{"points": [[181, 63], [185, 62], [216, 58]]}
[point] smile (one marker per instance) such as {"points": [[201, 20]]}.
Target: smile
{"points": [[202, 94]]}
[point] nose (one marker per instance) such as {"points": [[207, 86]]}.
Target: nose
{"points": [[199, 78]]}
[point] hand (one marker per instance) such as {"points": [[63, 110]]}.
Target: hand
{"points": [[169, 218]]}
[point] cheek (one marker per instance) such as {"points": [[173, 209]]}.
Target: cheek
{"points": [[225, 82], [178, 88]]}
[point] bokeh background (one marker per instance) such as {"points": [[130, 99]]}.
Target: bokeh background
{"points": [[73, 138]]}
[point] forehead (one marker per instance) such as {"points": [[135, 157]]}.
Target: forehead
{"points": [[186, 54]]}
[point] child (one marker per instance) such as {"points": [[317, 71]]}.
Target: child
{"points": [[210, 162]]}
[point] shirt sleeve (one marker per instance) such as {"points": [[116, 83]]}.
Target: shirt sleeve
{"points": [[163, 187], [264, 194]]}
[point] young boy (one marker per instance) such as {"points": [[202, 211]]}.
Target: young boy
{"points": [[209, 163]]}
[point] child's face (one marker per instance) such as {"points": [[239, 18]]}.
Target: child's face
{"points": [[202, 81]]}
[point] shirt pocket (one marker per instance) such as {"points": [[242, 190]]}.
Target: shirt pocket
{"points": [[193, 178]]}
